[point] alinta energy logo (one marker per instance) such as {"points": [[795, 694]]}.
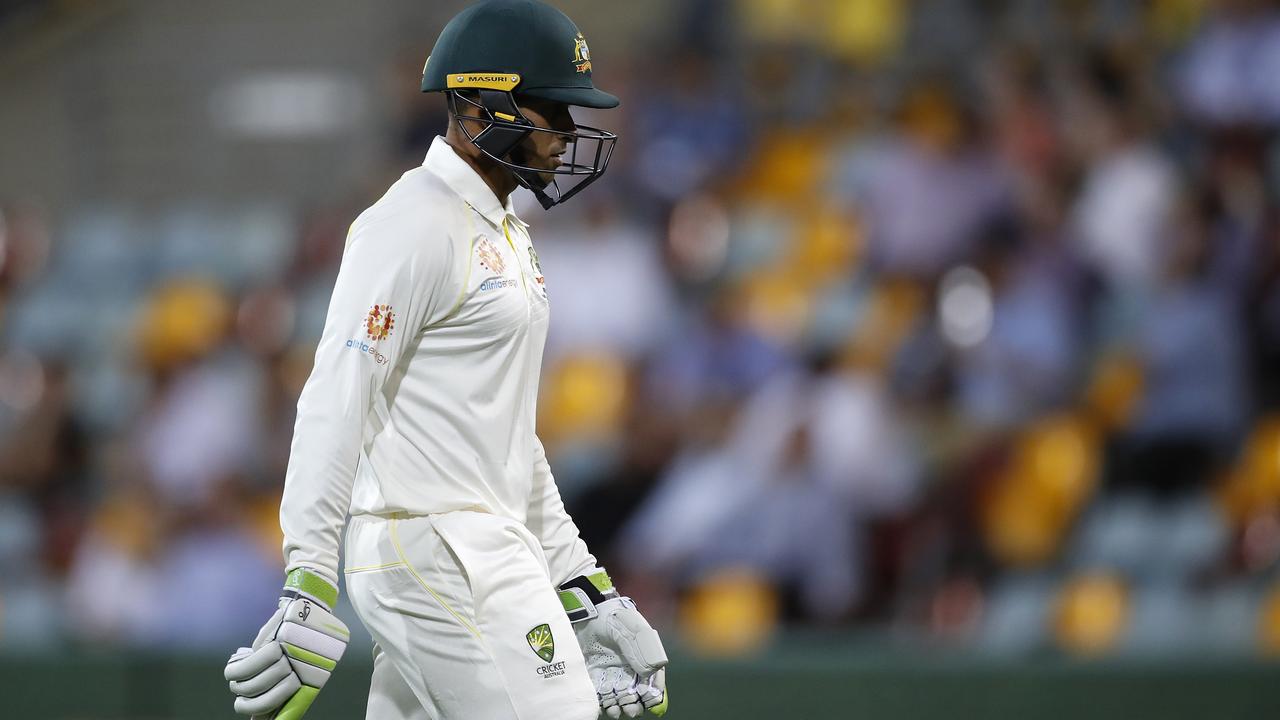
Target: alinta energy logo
{"points": [[380, 323], [497, 283], [368, 349], [490, 256]]}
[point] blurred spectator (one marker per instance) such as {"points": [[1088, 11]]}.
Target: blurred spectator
{"points": [[689, 130], [1024, 366], [612, 293], [1192, 345], [1128, 187], [926, 191], [47, 460], [713, 356], [1229, 68], [739, 502], [195, 432]]}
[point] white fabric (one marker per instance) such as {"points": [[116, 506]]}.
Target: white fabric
{"points": [[261, 670], [437, 416], [310, 674], [450, 599], [389, 695], [313, 640], [625, 658]]}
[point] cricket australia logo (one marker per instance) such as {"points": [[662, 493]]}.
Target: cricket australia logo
{"points": [[541, 642], [537, 270], [581, 54], [544, 646]]}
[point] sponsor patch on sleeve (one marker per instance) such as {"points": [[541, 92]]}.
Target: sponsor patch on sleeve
{"points": [[380, 323]]}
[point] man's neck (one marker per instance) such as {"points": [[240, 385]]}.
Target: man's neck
{"points": [[498, 178]]}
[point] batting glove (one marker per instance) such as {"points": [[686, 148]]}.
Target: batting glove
{"points": [[291, 659], [625, 657]]}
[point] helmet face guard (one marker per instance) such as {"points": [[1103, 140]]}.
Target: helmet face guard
{"points": [[505, 127]]}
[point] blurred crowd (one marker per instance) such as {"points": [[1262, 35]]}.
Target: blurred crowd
{"points": [[954, 320]]}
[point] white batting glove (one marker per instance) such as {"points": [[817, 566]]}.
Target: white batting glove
{"points": [[625, 657], [292, 657]]}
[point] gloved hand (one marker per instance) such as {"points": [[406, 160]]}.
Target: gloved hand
{"points": [[625, 657], [291, 659]]}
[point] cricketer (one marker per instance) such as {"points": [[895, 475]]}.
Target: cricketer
{"points": [[415, 431]]}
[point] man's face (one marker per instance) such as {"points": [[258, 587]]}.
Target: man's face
{"points": [[542, 150]]}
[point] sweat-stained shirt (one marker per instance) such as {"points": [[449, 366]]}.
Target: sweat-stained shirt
{"points": [[424, 391]]}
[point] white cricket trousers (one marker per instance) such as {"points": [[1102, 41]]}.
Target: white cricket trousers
{"points": [[457, 604]]}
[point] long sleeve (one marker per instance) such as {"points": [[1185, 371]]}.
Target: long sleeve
{"points": [[397, 277], [567, 554]]}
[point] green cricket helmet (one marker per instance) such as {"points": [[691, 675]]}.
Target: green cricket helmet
{"points": [[498, 50]]}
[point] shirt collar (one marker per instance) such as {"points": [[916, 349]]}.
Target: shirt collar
{"points": [[445, 163]]}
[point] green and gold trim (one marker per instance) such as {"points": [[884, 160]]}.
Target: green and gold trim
{"points": [[298, 704], [582, 594], [302, 581], [308, 657]]}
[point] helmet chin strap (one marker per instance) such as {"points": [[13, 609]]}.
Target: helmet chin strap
{"points": [[539, 192], [532, 181]]}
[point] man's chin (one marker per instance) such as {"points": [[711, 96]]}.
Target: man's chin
{"points": [[537, 179]]}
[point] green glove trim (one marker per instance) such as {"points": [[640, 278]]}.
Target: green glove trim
{"points": [[601, 581], [304, 581], [338, 630], [298, 704], [660, 709], [581, 595], [570, 601], [308, 657]]}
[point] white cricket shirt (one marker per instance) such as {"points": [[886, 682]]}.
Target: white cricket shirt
{"points": [[424, 391]]}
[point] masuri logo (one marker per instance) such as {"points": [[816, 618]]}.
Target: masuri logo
{"points": [[541, 642]]}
